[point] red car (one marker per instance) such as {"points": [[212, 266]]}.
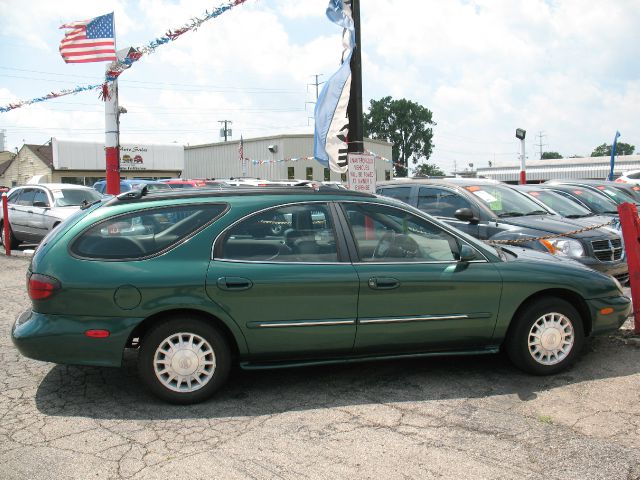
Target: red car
{"points": [[179, 183]]}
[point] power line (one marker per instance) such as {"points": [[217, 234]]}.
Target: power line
{"points": [[540, 145]]}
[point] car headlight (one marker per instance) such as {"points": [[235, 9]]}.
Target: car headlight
{"points": [[564, 246]]}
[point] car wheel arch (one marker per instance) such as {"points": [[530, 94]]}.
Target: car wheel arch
{"points": [[575, 299], [235, 344]]}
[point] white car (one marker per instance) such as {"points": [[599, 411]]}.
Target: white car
{"points": [[631, 176], [35, 210]]}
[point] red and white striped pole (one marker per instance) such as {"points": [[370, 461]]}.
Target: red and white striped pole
{"points": [[520, 134], [5, 224], [112, 137]]}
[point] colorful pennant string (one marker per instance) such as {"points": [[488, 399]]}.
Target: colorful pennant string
{"points": [[133, 56]]}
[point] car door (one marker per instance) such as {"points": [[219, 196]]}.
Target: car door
{"points": [[283, 276], [415, 295], [39, 221], [19, 216]]}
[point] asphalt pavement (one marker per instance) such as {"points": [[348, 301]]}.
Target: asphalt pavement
{"points": [[465, 417]]}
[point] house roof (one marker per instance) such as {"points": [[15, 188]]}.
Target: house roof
{"points": [[43, 152], [5, 165]]}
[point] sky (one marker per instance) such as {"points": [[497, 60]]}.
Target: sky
{"points": [[565, 71]]}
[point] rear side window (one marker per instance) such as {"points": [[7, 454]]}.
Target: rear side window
{"points": [[399, 193], [299, 233], [144, 233]]}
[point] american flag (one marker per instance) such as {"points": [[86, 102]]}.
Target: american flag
{"points": [[241, 149], [90, 40]]}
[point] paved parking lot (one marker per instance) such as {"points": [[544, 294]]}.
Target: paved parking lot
{"points": [[468, 417]]}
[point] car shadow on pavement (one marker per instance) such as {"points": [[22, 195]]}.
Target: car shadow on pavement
{"points": [[117, 393]]}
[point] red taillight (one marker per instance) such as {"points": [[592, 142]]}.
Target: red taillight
{"points": [[97, 333], [41, 287]]}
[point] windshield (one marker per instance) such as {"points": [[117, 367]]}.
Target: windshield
{"points": [[506, 202], [67, 197], [596, 201], [616, 195], [563, 206]]}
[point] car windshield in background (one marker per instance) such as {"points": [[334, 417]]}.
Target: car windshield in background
{"points": [[616, 195], [560, 204], [67, 197], [505, 202], [597, 202]]}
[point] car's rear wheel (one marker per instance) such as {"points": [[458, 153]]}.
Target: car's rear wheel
{"points": [[13, 241], [184, 360], [546, 337]]}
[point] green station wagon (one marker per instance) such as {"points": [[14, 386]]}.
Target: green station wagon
{"points": [[268, 278]]}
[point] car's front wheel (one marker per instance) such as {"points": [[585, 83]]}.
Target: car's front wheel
{"points": [[184, 360], [546, 337]]}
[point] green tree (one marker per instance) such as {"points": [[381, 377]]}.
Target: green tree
{"points": [[550, 155], [428, 170], [604, 150], [404, 123]]}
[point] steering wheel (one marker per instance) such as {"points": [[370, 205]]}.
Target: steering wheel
{"points": [[396, 245]]}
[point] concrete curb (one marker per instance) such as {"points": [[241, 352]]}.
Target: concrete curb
{"points": [[19, 253]]}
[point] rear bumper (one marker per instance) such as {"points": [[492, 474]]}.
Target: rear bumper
{"points": [[607, 323], [62, 339]]}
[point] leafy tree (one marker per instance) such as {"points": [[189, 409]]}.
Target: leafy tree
{"points": [[428, 170], [404, 123], [550, 155], [604, 150]]}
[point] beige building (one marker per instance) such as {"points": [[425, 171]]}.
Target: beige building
{"points": [[274, 158], [6, 158]]}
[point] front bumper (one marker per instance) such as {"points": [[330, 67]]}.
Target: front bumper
{"points": [[606, 323], [62, 339], [617, 269]]}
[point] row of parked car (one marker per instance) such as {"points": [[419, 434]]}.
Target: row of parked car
{"points": [[201, 280], [549, 217]]}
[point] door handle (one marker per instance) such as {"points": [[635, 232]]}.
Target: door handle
{"points": [[383, 283], [234, 283]]}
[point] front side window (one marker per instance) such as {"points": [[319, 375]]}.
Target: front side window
{"points": [[386, 234], [145, 232], [439, 202], [67, 197], [298, 233], [40, 199]]}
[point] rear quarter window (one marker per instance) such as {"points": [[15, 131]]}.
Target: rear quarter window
{"points": [[144, 233]]}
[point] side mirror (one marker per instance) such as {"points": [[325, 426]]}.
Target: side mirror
{"points": [[40, 204], [466, 215], [467, 253]]}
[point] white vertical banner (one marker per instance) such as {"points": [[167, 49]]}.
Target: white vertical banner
{"points": [[362, 172]]}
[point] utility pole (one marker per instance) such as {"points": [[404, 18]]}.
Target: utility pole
{"points": [[540, 145], [224, 131], [316, 84], [354, 110]]}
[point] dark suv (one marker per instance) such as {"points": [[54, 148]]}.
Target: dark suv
{"points": [[491, 210]]}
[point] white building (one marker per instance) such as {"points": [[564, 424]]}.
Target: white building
{"points": [[273, 158], [596, 168]]}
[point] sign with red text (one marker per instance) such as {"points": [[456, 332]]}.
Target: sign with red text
{"points": [[362, 172]]}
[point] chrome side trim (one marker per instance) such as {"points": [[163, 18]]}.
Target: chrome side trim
{"points": [[304, 324], [426, 318]]}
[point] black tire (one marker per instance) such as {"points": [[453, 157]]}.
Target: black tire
{"points": [[13, 241], [563, 335], [161, 384]]}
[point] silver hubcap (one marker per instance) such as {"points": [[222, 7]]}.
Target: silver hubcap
{"points": [[184, 362], [551, 338]]}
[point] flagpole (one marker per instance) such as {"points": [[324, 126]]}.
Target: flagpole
{"points": [[354, 110]]}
